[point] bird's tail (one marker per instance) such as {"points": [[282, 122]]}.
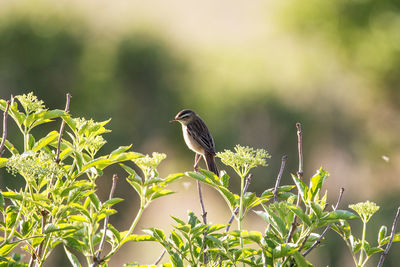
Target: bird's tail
{"points": [[211, 165]]}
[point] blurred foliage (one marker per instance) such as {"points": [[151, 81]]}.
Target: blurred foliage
{"points": [[364, 32], [43, 54]]}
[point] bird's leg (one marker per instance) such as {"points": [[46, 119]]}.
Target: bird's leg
{"points": [[197, 159]]}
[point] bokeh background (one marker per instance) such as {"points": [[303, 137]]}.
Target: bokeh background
{"points": [[251, 69]]}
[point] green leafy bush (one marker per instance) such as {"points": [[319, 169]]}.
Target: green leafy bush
{"points": [[59, 206]]}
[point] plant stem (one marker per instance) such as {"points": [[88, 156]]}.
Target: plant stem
{"points": [[4, 136], [362, 251], [241, 211], [278, 179], [97, 259], [236, 210], [26, 136], [386, 251], [131, 228], [299, 175]]}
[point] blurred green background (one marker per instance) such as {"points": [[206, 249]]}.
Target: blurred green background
{"points": [[251, 69]]}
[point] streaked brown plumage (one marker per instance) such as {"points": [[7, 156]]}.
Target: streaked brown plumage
{"points": [[197, 137]]}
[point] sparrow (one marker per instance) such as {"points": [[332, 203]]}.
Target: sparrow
{"points": [[197, 138]]}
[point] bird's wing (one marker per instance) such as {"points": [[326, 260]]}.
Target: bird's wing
{"points": [[199, 131]]}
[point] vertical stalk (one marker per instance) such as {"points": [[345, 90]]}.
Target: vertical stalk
{"points": [[360, 260], [26, 137], [241, 211], [133, 225]]}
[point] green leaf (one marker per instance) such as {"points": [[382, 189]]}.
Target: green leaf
{"points": [[70, 122], [214, 240], [193, 220], [136, 183], [115, 232], [105, 213], [198, 176], [7, 248], [340, 215], [300, 260], [72, 258], [161, 193], [173, 177], [31, 141], [301, 186], [248, 199], [49, 228], [274, 220], [282, 189], [12, 195], [210, 175], [178, 220], [136, 238], [78, 218], [229, 196], [99, 163], [396, 238], [3, 161], [126, 156], [26, 227], [183, 228], [299, 212], [253, 236], [382, 234], [317, 210], [316, 182], [10, 147], [79, 160], [224, 179], [176, 260], [215, 227], [118, 151], [50, 137], [284, 250], [74, 243], [343, 226], [176, 239], [112, 201], [128, 169], [153, 180], [95, 201], [45, 116], [156, 233], [373, 250], [18, 117]]}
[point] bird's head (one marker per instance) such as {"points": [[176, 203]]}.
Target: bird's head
{"points": [[184, 116]]}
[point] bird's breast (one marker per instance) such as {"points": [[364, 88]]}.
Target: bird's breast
{"points": [[191, 142]]}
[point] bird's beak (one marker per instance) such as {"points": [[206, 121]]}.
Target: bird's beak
{"points": [[172, 120]]}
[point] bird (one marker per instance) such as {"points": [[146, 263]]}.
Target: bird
{"points": [[197, 138]]}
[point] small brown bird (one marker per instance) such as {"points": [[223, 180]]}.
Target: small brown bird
{"points": [[197, 138]]}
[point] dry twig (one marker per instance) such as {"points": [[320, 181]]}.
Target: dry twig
{"points": [[299, 175], [97, 259], [57, 158], [386, 251], [4, 136], [278, 179]]}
